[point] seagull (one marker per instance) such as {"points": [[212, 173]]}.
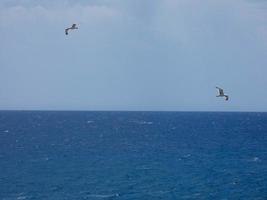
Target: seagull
{"points": [[221, 94], [71, 28]]}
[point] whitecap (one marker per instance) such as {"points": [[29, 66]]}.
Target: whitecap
{"points": [[89, 122], [187, 155], [22, 197], [143, 122], [46, 159], [147, 122], [143, 168], [102, 196], [255, 159], [184, 156]]}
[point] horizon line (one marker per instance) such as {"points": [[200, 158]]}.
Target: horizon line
{"points": [[77, 110]]}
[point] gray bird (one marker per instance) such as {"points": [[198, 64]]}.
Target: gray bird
{"points": [[221, 94], [70, 28]]}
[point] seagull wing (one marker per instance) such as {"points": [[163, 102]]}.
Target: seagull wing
{"points": [[220, 91], [73, 26], [66, 31]]}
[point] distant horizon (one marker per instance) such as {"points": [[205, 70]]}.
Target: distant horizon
{"points": [[22, 110]]}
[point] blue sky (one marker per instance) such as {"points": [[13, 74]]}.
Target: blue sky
{"points": [[133, 55]]}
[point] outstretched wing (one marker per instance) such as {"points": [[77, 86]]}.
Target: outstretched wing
{"points": [[220, 91]]}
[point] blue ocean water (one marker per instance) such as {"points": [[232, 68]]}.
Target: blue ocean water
{"points": [[133, 155]]}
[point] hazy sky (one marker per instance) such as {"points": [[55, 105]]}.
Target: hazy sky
{"points": [[133, 55]]}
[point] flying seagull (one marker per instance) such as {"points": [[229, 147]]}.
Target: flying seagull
{"points": [[221, 94], [70, 28]]}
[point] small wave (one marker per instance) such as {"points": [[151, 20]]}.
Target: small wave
{"points": [[255, 159], [143, 122], [22, 197], [184, 157], [143, 168], [159, 193], [46, 159], [103, 196], [187, 155]]}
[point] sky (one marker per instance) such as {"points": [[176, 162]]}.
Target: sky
{"points": [[149, 55]]}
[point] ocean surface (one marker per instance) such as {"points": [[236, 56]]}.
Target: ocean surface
{"points": [[133, 155]]}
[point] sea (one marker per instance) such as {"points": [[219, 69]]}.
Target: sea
{"points": [[73, 155]]}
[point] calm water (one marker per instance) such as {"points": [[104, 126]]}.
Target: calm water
{"points": [[133, 155]]}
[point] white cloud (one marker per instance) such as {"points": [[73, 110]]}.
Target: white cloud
{"points": [[65, 14], [185, 21]]}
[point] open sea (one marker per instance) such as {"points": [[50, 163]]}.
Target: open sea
{"points": [[133, 155]]}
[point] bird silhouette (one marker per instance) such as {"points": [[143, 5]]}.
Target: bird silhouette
{"points": [[73, 27], [221, 94]]}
